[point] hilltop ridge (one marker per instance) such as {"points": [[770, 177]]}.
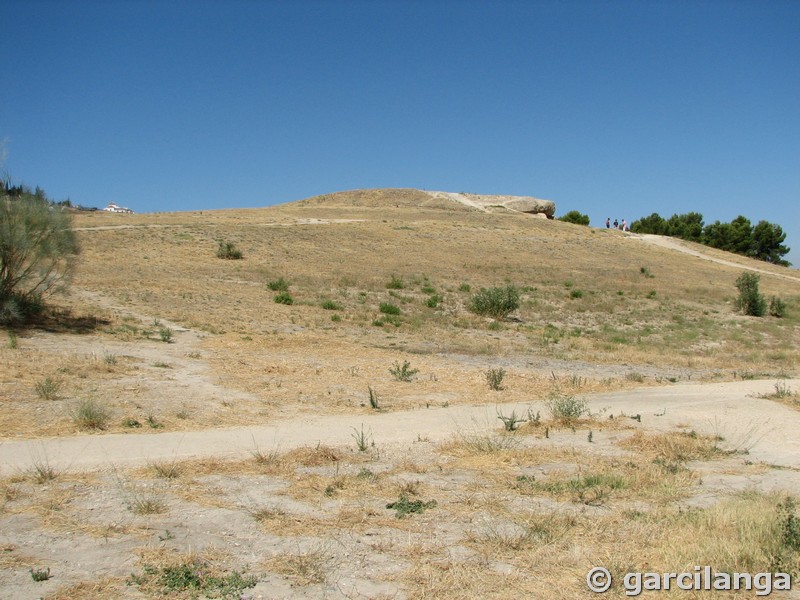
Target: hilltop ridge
{"points": [[410, 197]]}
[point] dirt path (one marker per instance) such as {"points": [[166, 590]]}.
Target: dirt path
{"points": [[766, 429], [675, 244]]}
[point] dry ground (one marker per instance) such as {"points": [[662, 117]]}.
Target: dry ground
{"points": [[178, 354]]}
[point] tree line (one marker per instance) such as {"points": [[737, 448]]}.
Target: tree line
{"points": [[763, 241]]}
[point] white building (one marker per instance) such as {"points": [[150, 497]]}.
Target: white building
{"points": [[116, 208]]}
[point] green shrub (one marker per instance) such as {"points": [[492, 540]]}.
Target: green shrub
{"points": [[90, 415], [165, 333], [395, 283], [566, 408], [389, 309], [40, 574], [494, 379], [37, 254], [576, 294], [284, 298], [495, 302], [331, 305], [750, 302], [278, 285], [48, 388], [405, 507], [228, 251], [464, 287], [403, 372], [777, 307], [433, 301], [575, 217]]}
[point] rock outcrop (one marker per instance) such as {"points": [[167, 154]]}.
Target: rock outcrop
{"points": [[524, 204]]}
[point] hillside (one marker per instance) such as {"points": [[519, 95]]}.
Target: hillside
{"points": [[240, 428]]}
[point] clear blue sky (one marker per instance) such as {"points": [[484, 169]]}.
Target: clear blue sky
{"points": [[613, 108]]}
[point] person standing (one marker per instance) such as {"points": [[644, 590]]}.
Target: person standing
{"points": [[608, 223], [616, 224]]}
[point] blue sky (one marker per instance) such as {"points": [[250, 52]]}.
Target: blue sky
{"points": [[612, 108]]}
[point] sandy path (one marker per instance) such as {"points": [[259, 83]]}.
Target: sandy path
{"points": [[766, 428], [676, 244]]}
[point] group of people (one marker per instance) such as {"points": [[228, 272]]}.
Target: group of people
{"points": [[617, 225]]}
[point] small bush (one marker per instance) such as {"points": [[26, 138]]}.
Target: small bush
{"points": [[777, 307], [646, 272], [750, 302], [464, 287], [433, 301], [511, 422], [331, 305], [566, 408], [90, 415], [284, 298], [194, 577], [165, 333], [576, 294], [389, 309], [48, 388], [495, 302], [494, 378], [373, 398], [405, 507], [40, 574], [403, 372], [575, 217], [228, 251], [395, 283], [278, 285]]}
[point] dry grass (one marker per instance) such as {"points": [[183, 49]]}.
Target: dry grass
{"points": [[105, 587], [306, 567]]}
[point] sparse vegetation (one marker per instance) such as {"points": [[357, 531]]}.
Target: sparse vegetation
{"points": [[194, 576], [228, 251], [389, 309], [405, 506]]}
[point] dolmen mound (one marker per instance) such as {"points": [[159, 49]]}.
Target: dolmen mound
{"points": [[409, 197]]}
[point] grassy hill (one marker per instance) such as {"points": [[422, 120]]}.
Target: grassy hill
{"points": [[159, 335]]}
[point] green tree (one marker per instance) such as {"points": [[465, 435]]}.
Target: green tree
{"points": [[767, 243], [575, 217], [655, 223], [37, 253], [688, 226]]}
